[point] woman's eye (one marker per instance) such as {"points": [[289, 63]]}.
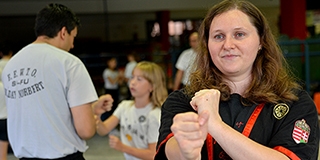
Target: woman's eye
{"points": [[219, 36], [240, 34]]}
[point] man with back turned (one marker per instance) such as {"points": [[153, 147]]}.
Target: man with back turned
{"points": [[49, 94]]}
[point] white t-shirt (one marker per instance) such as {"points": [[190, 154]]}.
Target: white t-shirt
{"points": [[129, 68], [3, 63], [110, 73], [3, 108], [42, 83], [185, 62], [138, 126]]}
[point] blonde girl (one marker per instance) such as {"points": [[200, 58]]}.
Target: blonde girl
{"points": [[139, 118]]}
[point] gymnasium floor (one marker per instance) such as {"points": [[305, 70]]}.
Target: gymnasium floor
{"points": [[99, 150]]}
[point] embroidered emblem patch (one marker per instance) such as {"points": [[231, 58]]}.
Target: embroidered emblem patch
{"points": [[301, 131], [280, 110]]}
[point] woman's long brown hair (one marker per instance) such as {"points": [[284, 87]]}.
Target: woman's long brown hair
{"points": [[272, 81]]}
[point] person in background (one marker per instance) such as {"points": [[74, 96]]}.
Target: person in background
{"points": [[185, 61], [3, 124], [50, 97], [242, 102], [6, 52], [139, 118], [128, 71], [112, 78]]}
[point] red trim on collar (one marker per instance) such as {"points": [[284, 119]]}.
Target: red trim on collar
{"points": [[210, 142], [252, 120]]}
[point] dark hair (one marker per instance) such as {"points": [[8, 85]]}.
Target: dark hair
{"points": [[271, 79], [51, 19]]}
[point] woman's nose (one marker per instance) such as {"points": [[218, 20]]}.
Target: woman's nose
{"points": [[229, 43], [131, 81]]}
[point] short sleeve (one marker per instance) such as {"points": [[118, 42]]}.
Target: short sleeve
{"points": [[80, 86], [176, 103], [120, 109], [153, 125], [298, 132]]}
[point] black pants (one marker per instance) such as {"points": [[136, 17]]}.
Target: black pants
{"points": [[75, 156]]}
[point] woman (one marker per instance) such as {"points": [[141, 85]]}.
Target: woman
{"points": [[242, 102]]}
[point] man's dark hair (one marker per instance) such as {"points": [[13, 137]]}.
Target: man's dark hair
{"points": [[51, 19]]}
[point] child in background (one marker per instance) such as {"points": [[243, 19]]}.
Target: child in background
{"points": [[128, 70], [112, 78], [139, 118]]}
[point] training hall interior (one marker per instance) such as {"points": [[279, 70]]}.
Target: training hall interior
{"points": [[157, 31]]}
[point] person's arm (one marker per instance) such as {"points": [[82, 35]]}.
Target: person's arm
{"points": [[145, 154], [176, 103], [241, 147], [103, 128], [177, 80], [103, 104], [84, 120], [189, 136], [83, 115], [116, 80], [113, 80], [237, 147], [120, 77]]}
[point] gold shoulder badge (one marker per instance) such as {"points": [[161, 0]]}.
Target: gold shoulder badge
{"points": [[280, 110]]}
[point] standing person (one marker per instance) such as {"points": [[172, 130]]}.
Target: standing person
{"points": [[3, 124], [241, 103], [185, 61], [139, 118], [7, 52], [112, 78], [128, 71], [49, 93]]}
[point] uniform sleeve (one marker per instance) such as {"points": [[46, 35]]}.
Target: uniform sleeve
{"points": [[176, 103], [80, 86], [297, 134], [153, 125]]}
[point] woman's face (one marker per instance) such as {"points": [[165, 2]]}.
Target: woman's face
{"points": [[233, 44]]}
